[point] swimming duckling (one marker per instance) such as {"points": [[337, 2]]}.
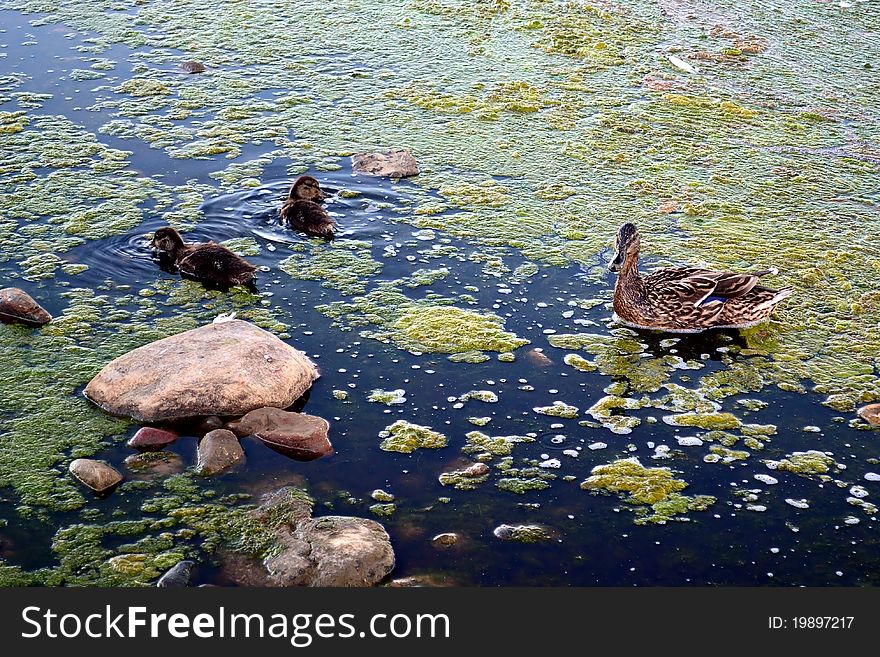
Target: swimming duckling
{"points": [[302, 212], [210, 262], [686, 299]]}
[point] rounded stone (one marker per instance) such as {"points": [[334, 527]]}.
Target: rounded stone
{"points": [[218, 451], [228, 368], [16, 305], [297, 435], [98, 476], [870, 414], [149, 438]]}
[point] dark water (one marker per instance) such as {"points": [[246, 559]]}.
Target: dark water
{"points": [[596, 541]]}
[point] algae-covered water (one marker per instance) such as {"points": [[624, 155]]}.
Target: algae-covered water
{"points": [[463, 315]]}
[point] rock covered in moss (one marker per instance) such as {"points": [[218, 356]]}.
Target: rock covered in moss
{"points": [[98, 476], [219, 451], [467, 478], [297, 435], [392, 164], [558, 409], [522, 533], [445, 540], [406, 437], [16, 305], [228, 368], [149, 438]]}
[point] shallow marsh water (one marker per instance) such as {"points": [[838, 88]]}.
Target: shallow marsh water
{"points": [[540, 127]]}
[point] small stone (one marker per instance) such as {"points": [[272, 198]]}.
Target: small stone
{"points": [[445, 540], [149, 438], [296, 435], [99, 476], [219, 451], [18, 306], [870, 414], [177, 576], [192, 66], [394, 164]]}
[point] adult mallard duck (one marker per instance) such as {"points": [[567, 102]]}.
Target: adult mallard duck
{"points": [[686, 299], [301, 210], [211, 263]]}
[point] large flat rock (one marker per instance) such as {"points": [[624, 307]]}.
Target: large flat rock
{"points": [[227, 369]]}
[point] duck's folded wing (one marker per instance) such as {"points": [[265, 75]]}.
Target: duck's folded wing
{"points": [[204, 259], [698, 286]]}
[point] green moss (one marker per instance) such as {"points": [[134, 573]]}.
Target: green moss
{"points": [[485, 396], [643, 486], [812, 462], [558, 409], [522, 485], [464, 479], [387, 397], [482, 444], [406, 437], [383, 510], [479, 421], [447, 329], [707, 421], [579, 363], [340, 264]]}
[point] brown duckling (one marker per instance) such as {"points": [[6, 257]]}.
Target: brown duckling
{"points": [[210, 262], [302, 212]]}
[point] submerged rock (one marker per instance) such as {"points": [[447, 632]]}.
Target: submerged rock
{"points": [[219, 451], [445, 540], [18, 306], [467, 478], [192, 66], [394, 164], [149, 438], [297, 435], [870, 414], [177, 576], [155, 464], [99, 476], [522, 533], [219, 369]]}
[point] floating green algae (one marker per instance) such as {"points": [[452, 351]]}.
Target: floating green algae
{"points": [[812, 462], [406, 437], [642, 486], [485, 446], [340, 264], [709, 421], [387, 397], [558, 409], [448, 329]]}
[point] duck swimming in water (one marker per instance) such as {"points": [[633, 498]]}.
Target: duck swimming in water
{"points": [[301, 211], [209, 262], [686, 299]]}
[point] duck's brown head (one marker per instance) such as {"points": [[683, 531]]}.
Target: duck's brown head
{"points": [[627, 244], [167, 240], [306, 188]]}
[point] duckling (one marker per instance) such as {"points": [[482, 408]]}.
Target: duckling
{"points": [[302, 212], [686, 299], [210, 262]]}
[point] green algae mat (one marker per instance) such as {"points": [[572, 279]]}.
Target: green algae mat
{"points": [[473, 296]]}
